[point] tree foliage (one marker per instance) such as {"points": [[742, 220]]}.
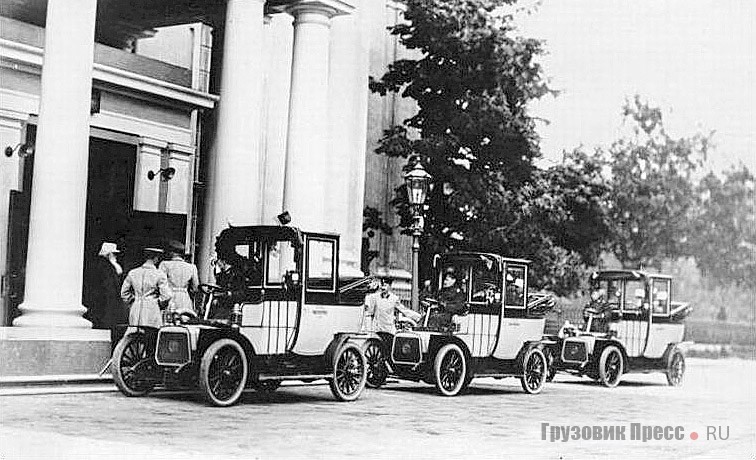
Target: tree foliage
{"points": [[652, 187], [724, 228], [472, 84]]}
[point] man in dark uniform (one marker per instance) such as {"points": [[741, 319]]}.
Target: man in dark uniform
{"points": [[452, 299]]}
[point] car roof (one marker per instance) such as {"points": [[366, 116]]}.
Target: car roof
{"points": [[626, 274], [477, 255]]}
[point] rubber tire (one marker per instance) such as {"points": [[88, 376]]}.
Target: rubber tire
{"points": [[603, 378], [534, 352], [336, 389], [204, 372], [117, 372], [375, 380], [550, 359], [438, 362], [671, 372]]}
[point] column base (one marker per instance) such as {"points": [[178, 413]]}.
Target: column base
{"points": [[52, 317]]}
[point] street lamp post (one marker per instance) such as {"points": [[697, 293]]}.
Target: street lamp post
{"points": [[417, 181]]}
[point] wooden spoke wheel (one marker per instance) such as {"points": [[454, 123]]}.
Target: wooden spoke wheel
{"points": [[535, 370], [133, 366], [349, 373], [676, 368], [450, 370], [611, 366], [377, 372]]}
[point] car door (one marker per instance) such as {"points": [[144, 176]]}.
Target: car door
{"points": [[321, 315], [633, 327]]}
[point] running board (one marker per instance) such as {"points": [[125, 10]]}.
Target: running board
{"points": [[294, 377], [496, 376]]}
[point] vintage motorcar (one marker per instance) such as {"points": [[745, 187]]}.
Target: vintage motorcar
{"points": [[631, 325], [497, 333], [280, 313]]}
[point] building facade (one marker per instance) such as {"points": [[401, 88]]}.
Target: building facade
{"points": [[175, 120]]}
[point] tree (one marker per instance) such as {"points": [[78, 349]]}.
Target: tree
{"points": [[724, 228], [472, 85], [652, 187]]}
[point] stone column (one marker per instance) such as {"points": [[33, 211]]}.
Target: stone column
{"points": [[307, 140], [55, 257], [348, 130], [233, 185]]}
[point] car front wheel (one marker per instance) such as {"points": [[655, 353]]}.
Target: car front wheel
{"points": [[377, 372], [133, 366], [610, 366], [450, 370], [223, 372]]}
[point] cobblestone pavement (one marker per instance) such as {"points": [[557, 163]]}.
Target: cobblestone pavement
{"points": [[494, 419]]}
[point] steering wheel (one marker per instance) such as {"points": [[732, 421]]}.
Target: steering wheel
{"points": [[207, 288]]}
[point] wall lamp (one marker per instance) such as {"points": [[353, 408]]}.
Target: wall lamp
{"points": [[24, 150], [166, 174]]}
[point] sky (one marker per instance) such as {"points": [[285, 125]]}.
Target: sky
{"points": [[695, 59]]}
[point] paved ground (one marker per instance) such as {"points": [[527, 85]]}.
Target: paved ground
{"points": [[495, 419]]}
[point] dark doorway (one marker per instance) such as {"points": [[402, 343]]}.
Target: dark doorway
{"points": [[109, 193], [18, 235], [110, 188]]}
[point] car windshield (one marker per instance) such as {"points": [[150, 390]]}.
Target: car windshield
{"points": [[608, 291]]}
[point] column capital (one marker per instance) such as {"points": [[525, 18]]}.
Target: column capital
{"points": [[327, 8]]}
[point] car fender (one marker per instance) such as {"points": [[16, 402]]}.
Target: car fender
{"points": [[668, 352], [603, 343], [208, 336], [437, 341], [526, 347], [358, 338]]}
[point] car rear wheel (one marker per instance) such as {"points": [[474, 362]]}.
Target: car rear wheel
{"points": [[349, 373], [676, 368], [133, 366], [377, 372], [450, 370], [534, 371], [611, 366], [223, 372]]}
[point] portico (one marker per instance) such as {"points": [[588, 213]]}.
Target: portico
{"points": [[281, 127]]}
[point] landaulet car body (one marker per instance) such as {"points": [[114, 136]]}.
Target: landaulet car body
{"points": [[631, 325], [497, 333], [279, 311]]}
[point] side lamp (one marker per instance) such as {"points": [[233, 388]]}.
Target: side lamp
{"points": [[24, 150], [166, 174]]}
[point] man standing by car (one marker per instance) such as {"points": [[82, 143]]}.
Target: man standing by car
{"points": [[383, 307]]}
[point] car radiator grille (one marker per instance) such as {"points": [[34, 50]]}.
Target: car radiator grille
{"points": [[172, 348], [406, 350], [574, 351]]}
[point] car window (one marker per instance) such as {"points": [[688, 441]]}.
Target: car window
{"points": [[634, 294], [660, 296], [486, 284], [608, 291], [515, 286], [248, 261], [320, 270], [280, 261]]}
